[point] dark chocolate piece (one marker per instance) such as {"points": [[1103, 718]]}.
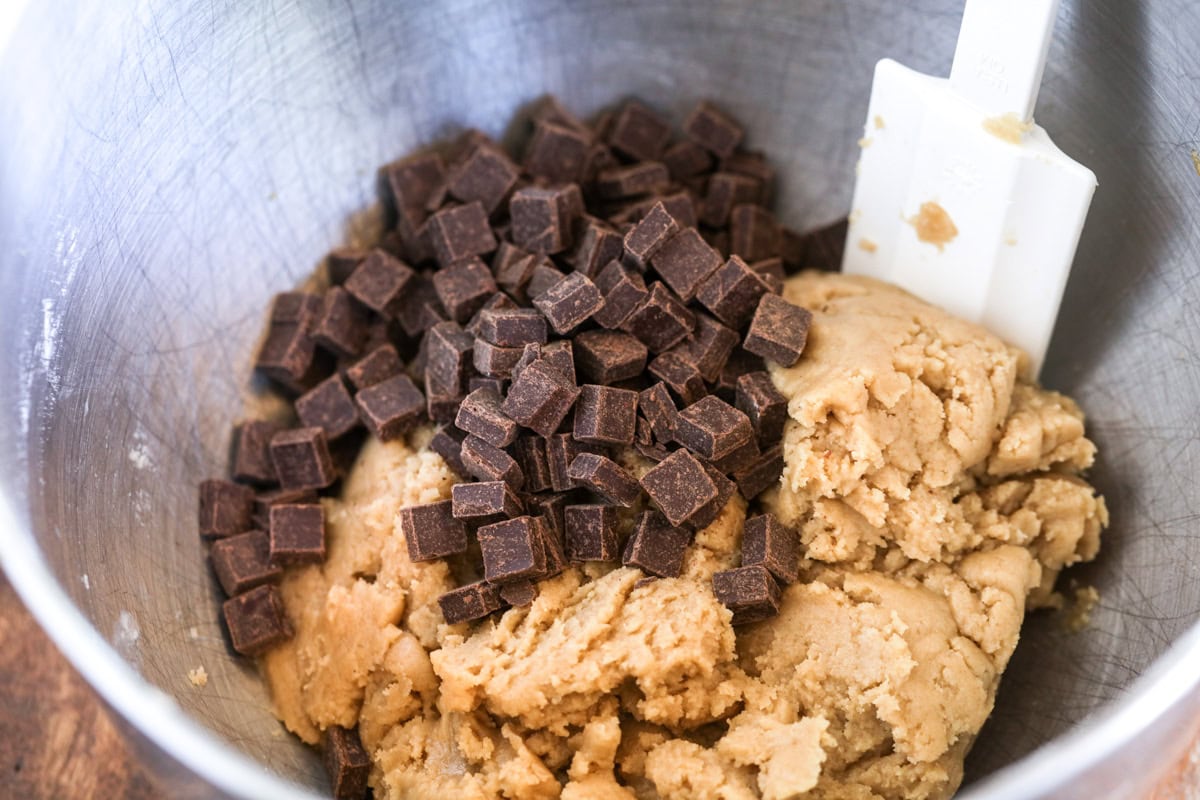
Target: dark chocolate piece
{"points": [[494, 361], [819, 249], [420, 308], [654, 451], [605, 477], [569, 302], [606, 357], [540, 398], [753, 232], [379, 282], [448, 354], [430, 531], [543, 219], [646, 177], [740, 362], [726, 190], [412, 181], [656, 546], [659, 410], [347, 763], [499, 301], [266, 500], [341, 262], [481, 416], [761, 474], [512, 549], [256, 620], [561, 451], [328, 406], [649, 235], [732, 293], [686, 159], [297, 534], [638, 132], [597, 244], [623, 292], [767, 409], [712, 428], [549, 507], [543, 278], [463, 288], [680, 486], [591, 533], [713, 129], [708, 348], [459, 232], [661, 321], [375, 367], [341, 325], [288, 354], [486, 462], [486, 175], [769, 542], [242, 562], [515, 327], [557, 152], [447, 443], [680, 376], [778, 331], [301, 458], [604, 415], [519, 594], [560, 355], [772, 273], [752, 164], [713, 508], [485, 499], [685, 261], [252, 452], [391, 408], [749, 592], [530, 454], [467, 603], [441, 402], [739, 458]]}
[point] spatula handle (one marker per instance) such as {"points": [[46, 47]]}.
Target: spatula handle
{"points": [[1001, 54]]}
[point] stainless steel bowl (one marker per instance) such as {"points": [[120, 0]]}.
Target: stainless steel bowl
{"points": [[165, 167]]}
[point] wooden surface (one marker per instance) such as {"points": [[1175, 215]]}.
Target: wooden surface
{"points": [[56, 739]]}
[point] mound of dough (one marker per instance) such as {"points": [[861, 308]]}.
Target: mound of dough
{"points": [[938, 495]]}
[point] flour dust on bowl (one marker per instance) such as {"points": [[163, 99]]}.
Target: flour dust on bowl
{"points": [[196, 160]]}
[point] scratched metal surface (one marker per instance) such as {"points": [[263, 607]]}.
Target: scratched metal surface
{"points": [[165, 167]]}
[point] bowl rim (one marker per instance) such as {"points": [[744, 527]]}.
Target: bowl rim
{"points": [[157, 717]]}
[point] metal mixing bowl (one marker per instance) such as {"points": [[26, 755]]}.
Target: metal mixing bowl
{"points": [[166, 166]]}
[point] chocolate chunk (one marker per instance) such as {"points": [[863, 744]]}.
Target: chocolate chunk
{"points": [[686, 159], [732, 292], [301, 458], [539, 398], [375, 367], [749, 592], [391, 408], [256, 620], [530, 454], [560, 355], [448, 354], [543, 219], [464, 288], [486, 462], [459, 232], [649, 235], [726, 190], [543, 278], [519, 594], [680, 486], [713, 508], [499, 301], [467, 603], [481, 416], [740, 362], [379, 282], [328, 406], [430, 531], [623, 292], [712, 428], [549, 109], [752, 164], [662, 321], [264, 502], [514, 276], [515, 327], [605, 357], [713, 129], [486, 499], [556, 152], [822, 248], [605, 477], [753, 232], [685, 261], [512, 549], [767, 409], [659, 409], [739, 458], [638, 132], [493, 361], [441, 402], [646, 177], [341, 262], [487, 175], [297, 534], [769, 542], [778, 331], [288, 354], [561, 450], [420, 308], [242, 562], [347, 763], [718, 240], [591, 533], [680, 376], [652, 450], [604, 415], [412, 181], [341, 325], [549, 507], [657, 547], [597, 244], [252, 452], [761, 474], [569, 302], [772, 273], [225, 508], [506, 254], [708, 348], [447, 443]]}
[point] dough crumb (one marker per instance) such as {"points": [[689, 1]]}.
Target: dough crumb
{"points": [[867, 245], [1008, 127], [1079, 615], [865, 142], [878, 122], [198, 677], [934, 225]]}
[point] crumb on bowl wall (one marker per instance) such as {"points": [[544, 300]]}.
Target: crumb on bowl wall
{"points": [[198, 677]]}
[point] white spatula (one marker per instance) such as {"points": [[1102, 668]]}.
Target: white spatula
{"points": [[960, 199]]}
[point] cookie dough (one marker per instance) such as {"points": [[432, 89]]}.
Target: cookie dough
{"points": [[938, 495]]}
